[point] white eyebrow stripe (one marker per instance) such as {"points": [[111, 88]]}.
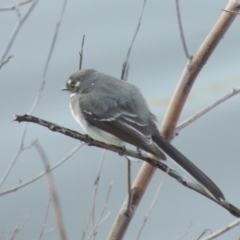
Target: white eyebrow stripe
{"points": [[69, 81], [77, 84]]}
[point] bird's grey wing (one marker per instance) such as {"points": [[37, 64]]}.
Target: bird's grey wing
{"points": [[121, 123]]}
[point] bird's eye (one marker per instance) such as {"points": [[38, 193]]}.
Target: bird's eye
{"points": [[72, 85]]}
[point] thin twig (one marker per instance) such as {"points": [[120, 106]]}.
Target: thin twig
{"points": [[104, 218], [5, 61], [146, 217], [100, 219], [15, 232], [15, 32], [18, 228], [14, 159], [126, 62], [204, 233], [186, 232], [13, 7], [207, 109], [136, 154], [223, 230], [95, 189], [81, 54], [52, 190], [39, 93], [96, 184], [45, 219], [43, 81], [181, 31], [24, 184]]}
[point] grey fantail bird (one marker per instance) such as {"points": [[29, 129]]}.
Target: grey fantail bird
{"points": [[114, 111]]}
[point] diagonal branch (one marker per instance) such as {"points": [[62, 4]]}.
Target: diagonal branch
{"points": [[175, 107], [136, 154]]}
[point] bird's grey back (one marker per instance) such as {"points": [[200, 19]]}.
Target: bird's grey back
{"points": [[112, 92]]}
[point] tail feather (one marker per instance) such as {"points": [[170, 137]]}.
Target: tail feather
{"points": [[188, 166]]}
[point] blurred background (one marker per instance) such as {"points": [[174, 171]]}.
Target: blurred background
{"points": [[156, 63]]}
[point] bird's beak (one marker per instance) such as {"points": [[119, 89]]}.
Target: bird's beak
{"points": [[64, 89]]}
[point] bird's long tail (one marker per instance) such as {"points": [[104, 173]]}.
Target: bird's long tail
{"points": [[188, 166]]}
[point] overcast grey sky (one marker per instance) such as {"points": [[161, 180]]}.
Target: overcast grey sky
{"points": [[156, 64]]}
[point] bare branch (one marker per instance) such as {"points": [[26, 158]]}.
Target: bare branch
{"points": [[24, 184], [101, 218], [207, 109], [52, 190], [96, 184], [14, 159], [152, 205], [174, 110], [13, 7], [45, 219], [15, 32], [223, 230], [181, 31], [39, 93], [136, 154], [186, 232], [43, 81], [81, 53], [126, 63], [18, 228], [15, 232], [4, 62], [95, 189], [204, 233]]}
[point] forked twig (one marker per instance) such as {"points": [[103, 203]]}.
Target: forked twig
{"points": [[24, 184]]}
